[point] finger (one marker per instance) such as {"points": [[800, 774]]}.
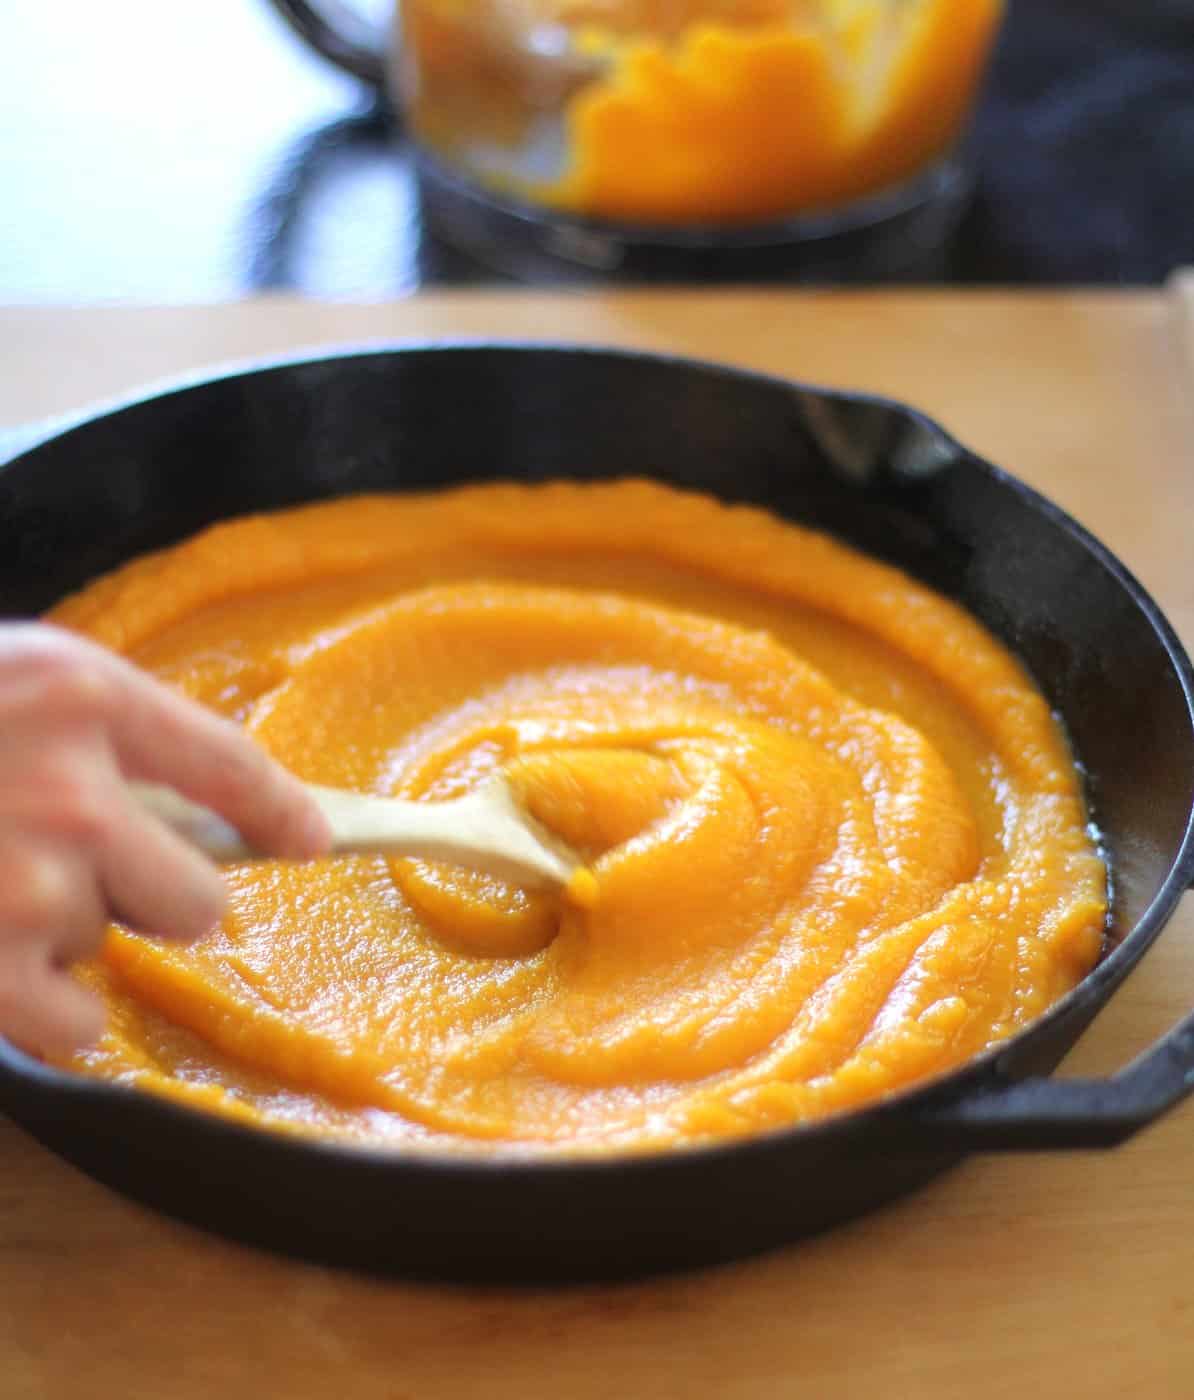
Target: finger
{"points": [[160, 735], [44, 1011], [47, 668], [50, 892], [165, 738], [153, 880]]}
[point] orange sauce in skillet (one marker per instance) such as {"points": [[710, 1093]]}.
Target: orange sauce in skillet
{"points": [[836, 839]]}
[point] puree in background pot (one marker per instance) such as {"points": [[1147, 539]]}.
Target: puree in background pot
{"points": [[838, 841], [693, 111]]}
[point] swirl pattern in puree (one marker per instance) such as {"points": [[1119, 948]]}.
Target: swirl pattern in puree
{"points": [[837, 839]]}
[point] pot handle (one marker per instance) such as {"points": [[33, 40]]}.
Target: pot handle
{"points": [[342, 36], [1045, 1114]]}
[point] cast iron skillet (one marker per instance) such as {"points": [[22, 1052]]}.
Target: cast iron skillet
{"points": [[875, 474]]}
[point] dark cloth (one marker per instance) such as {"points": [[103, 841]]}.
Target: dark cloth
{"points": [[1085, 146]]}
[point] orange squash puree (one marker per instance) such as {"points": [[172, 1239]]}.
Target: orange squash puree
{"points": [[836, 843], [706, 111]]}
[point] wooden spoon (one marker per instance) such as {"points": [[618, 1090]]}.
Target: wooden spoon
{"points": [[486, 831]]}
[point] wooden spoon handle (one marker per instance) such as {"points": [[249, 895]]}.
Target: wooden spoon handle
{"points": [[486, 831]]}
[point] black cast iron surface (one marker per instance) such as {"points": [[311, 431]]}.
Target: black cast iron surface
{"points": [[879, 476]]}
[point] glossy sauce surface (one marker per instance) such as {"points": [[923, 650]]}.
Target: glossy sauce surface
{"points": [[837, 838]]}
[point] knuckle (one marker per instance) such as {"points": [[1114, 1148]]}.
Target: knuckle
{"points": [[58, 675], [78, 809], [38, 891], [242, 778], [76, 687]]}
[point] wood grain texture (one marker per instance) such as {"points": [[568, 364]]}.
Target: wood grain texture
{"points": [[1061, 1275]]}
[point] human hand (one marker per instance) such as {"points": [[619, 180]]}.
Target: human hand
{"points": [[76, 851]]}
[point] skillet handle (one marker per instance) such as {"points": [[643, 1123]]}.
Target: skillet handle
{"points": [[1045, 1114]]}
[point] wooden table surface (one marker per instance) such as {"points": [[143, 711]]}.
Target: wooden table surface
{"points": [[1053, 1275]]}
